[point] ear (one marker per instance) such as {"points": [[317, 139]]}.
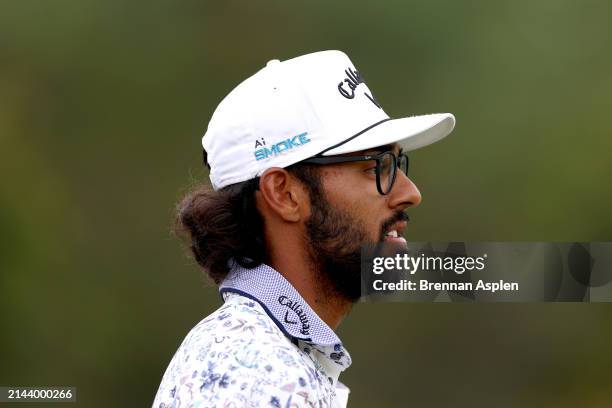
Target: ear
{"points": [[283, 194]]}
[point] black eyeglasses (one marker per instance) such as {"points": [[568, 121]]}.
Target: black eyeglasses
{"points": [[387, 164]]}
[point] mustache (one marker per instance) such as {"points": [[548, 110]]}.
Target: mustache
{"points": [[398, 216]]}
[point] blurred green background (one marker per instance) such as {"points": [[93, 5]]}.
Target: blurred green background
{"points": [[102, 106]]}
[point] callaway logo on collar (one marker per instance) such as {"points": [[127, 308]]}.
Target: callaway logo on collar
{"points": [[316, 104], [298, 310]]}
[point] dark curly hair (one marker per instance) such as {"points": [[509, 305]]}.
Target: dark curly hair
{"points": [[225, 224]]}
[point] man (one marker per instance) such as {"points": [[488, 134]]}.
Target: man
{"points": [[306, 168]]}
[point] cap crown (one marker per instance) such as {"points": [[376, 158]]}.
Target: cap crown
{"points": [[286, 112]]}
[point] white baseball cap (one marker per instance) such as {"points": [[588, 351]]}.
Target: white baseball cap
{"points": [[315, 104]]}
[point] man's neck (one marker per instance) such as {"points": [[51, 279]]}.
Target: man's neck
{"points": [[330, 307]]}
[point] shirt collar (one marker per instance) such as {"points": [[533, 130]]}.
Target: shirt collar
{"points": [[282, 302]]}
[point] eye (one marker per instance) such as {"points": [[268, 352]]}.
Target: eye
{"points": [[370, 170], [385, 166]]}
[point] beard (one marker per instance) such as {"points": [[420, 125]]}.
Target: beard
{"points": [[335, 241]]}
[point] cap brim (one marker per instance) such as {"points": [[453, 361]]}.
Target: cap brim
{"points": [[410, 133]]}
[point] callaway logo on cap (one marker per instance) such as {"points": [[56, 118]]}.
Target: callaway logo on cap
{"points": [[316, 104]]}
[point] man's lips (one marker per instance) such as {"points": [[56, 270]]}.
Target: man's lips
{"points": [[395, 232], [399, 226]]}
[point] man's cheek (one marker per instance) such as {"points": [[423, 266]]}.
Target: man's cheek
{"points": [[376, 231]]}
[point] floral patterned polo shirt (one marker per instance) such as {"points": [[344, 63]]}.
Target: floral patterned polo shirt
{"points": [[264, 347]]}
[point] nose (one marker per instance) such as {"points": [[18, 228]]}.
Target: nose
{"points": [[404, 193]]}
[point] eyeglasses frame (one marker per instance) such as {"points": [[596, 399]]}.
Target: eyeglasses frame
{"points": [[377, 157]]}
